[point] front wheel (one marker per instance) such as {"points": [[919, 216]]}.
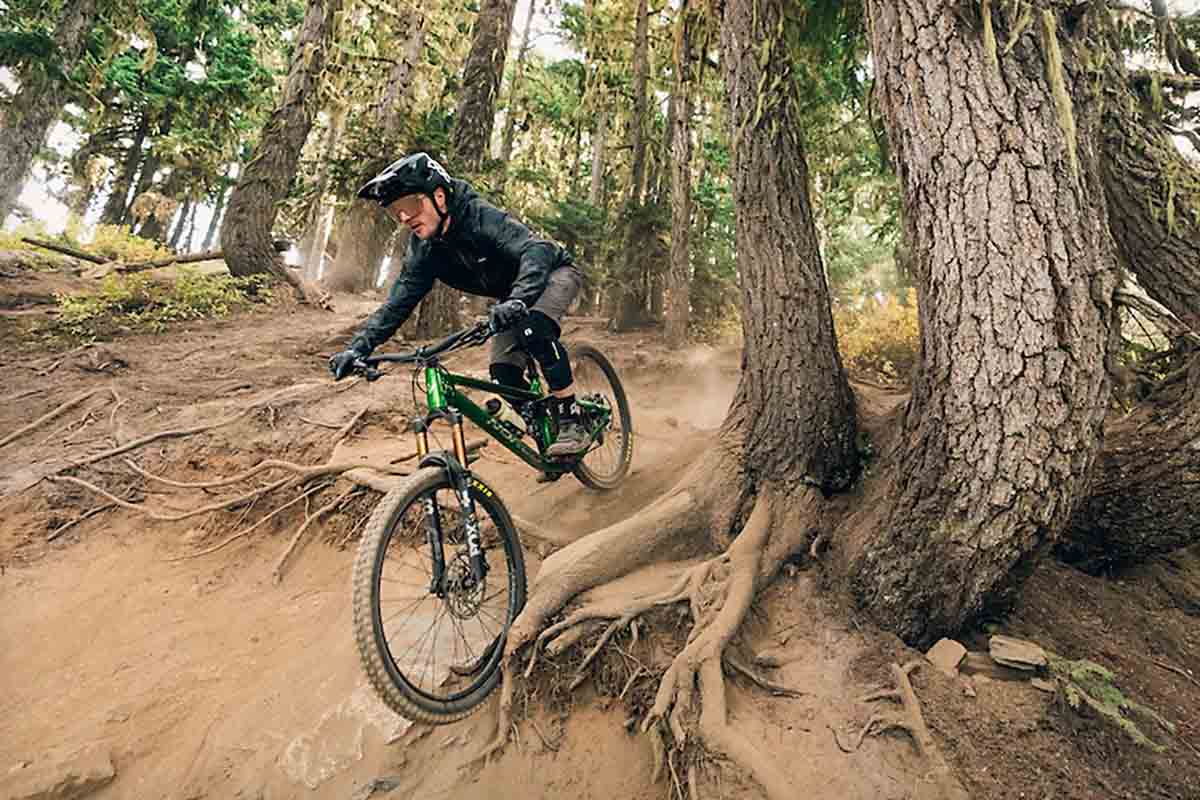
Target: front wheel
{"points": [[433, 651], [599, 392]]}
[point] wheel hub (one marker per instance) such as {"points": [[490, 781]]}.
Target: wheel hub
{"points": [[464, 595]]}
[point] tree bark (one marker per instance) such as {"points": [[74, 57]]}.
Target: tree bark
{"points": [[246, 233], [631, 294], [118, 199], [475, 115], [793, 411], [364, 230], [185, 215], [27, 118], [214, 224], [1153, 193], [678, 278], [1145, 496], [596, 189], [514, 91], [320, 216], [362, 245], [1015, 273], [439, 313]]}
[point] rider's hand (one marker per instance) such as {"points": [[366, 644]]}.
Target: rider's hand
{"points": [[504, 315], [342, 363]]}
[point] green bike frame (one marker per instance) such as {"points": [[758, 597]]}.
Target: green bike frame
{"points": [[441, 393]]}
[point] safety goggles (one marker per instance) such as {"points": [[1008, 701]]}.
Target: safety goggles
{"points": [[410, 205]]}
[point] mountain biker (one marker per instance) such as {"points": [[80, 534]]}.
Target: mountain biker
{"points": [[469, 244]]}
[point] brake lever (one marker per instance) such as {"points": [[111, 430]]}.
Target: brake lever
{"points": [[372, 374]]}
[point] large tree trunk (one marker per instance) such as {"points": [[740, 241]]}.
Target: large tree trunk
{"points": [[320, 214], [27, 118], [365, 230], [475, 116], [596, 188], [362, 245], [246, 233], [439, 313], [1016, 273], [514, 92], [631, 295], [118, 199], [678, 278], [790, 431], [1144, 499], [1153, 193], [214, 224]]}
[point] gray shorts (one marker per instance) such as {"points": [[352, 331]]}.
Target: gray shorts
{"points": [[561, 289]]}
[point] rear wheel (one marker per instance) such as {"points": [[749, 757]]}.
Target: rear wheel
{"points": [[599, 391], [434, 655]]}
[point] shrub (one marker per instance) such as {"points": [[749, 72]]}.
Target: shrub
{"points": [[881, 337], [137, 302], [118, 243]]}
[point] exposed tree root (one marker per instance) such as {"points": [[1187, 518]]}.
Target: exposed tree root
{"points": [[42, 420], [182, 515], [61, 529], [245, 531], [939, 783], [277, 573], [719, 590]]}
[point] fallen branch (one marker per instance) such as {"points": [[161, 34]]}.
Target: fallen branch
{"points": [[277, 573], [42, 420], [65, 250], [61, 529], [281, 246], [1177, 671]]}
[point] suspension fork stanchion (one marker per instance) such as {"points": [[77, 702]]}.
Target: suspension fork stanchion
{"points": [[433, 520], [463, 486]]}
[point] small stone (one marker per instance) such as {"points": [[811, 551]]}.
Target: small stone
{"points": [[1043, 685], [75, 775], [969, 687], [981, 665], [946, 655], [1017, 653]]}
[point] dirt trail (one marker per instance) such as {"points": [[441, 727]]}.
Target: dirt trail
{"points": [[200, 677]]}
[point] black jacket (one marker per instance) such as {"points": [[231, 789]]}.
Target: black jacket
{"points": [[484, 252]]}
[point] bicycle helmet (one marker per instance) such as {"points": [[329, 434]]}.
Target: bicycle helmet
{"points": [[414, 174]]}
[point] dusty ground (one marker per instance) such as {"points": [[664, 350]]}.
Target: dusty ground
{"points": [[201, 677]]}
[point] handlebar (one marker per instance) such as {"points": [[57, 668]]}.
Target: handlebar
{"points": [[468, 337]]}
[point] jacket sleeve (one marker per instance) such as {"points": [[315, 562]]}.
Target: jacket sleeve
{"points": [[537, 258], [411, 286]]}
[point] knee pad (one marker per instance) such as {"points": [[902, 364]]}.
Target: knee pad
{"points": [[508, 374], [539, 336]]}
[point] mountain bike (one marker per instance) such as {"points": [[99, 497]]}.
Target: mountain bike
{"points": [[439, 576]]}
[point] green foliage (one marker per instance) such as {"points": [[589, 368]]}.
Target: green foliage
{"points": [[1087, 684], [136, 301], [881, 338], [118, 243]]}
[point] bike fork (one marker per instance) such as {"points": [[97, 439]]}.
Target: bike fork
{"points": [[433, 520], [462, 485]]}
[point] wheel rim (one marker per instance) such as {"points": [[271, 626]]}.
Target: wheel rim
{"points": [[606, 460], [439, 646]]}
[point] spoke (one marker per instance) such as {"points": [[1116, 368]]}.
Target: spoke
{"points": [[408, 607]]}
